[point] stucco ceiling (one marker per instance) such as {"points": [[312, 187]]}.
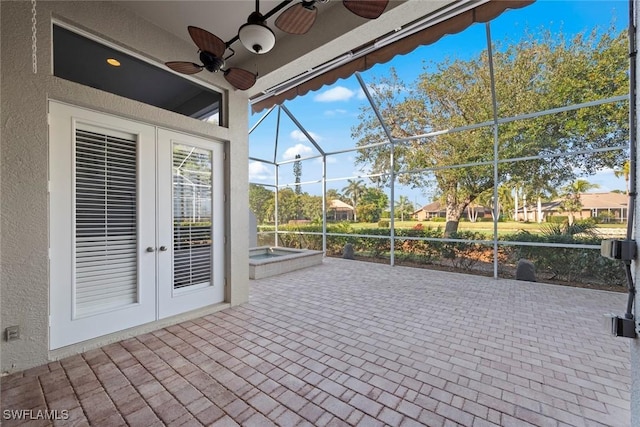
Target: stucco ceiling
{"points": [[336, 31]]}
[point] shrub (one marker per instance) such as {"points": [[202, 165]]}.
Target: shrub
{"points": [[465, 255], [606, 217], [383, 223], [574, 265], [415, 250]]}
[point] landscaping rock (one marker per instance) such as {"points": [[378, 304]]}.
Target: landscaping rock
{"points": [[526, 271], [347, 252]]}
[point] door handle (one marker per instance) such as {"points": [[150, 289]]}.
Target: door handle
{"points": [[163, 248], [151, 249]]}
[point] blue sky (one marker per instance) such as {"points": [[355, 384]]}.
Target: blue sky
{"points": [[329, 113]]}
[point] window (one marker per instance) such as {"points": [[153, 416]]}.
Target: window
{"points": [[82, 60]]}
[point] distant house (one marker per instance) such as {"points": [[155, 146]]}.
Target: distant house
{"points": [[432, 210], [612, 206], [437, 209], [340, 211]]}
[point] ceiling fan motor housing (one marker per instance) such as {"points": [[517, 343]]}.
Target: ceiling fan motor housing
{"points": [[211, 62], [310, 4]]}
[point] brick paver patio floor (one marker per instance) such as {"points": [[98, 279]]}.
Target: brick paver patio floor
{"points": [[352, 343]]}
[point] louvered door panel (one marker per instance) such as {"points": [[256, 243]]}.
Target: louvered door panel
{"points": [[192, 248], [190, 222], [106, 275], [102, 191]]}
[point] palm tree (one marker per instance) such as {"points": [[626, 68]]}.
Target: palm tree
{"points": [[332, 194], [517, 189], [353, 190], [624, 172], [403, 205], [505, 199], [571, 195], [538, 190]]}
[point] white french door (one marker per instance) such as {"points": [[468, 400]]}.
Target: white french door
{"points": [[191, 222], [124, 250]]}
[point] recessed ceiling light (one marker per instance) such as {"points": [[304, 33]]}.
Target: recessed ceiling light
{"points": [[113, 61]]}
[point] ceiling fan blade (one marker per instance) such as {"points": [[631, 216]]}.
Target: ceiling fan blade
{"points": [[184, 67], [298, 19], [239, 78], [369, 9], [206, 41]]}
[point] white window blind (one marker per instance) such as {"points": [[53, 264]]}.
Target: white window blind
{"points": [[192, 243], [106, 226]]}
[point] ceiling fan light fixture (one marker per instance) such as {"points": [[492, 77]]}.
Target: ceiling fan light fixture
{"points": [[256, 36]]}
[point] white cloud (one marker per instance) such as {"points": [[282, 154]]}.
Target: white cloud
{"points": [[330, 160], [336, 112], [301, 149], [297, 135], [338, 93], [259, 171]]}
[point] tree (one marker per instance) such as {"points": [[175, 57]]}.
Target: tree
{"points": [[287, 205], [259, 200], [372, 203], [472, 211], [536, 188], [353, 190], [540, 191], [624, 172], [571, 194], [333, 194], [505, 199], [536, 73], [297, 173], [403, 206], [311, 207]]}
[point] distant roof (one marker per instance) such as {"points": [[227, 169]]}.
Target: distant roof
{"points": [[603, 200], [608, 200], [431, 207], [339, 205], [439, 207]]}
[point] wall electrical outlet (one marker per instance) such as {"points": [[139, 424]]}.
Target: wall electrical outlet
{"points": [[12, 333]]}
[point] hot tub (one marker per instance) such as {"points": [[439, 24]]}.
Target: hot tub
{"points": [[265, 261]]}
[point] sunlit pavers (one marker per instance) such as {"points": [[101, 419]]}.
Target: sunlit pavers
{"points": [[353, 343]]}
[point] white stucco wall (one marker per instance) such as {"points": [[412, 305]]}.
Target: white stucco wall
{"points": [[24, 280]]}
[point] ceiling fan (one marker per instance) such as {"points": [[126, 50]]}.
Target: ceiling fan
{"points": [[299, 18], [212, 49], [259, 39]]}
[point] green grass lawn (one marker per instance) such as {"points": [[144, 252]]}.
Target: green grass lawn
{"points": [[484, 227], [507, 227]]}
